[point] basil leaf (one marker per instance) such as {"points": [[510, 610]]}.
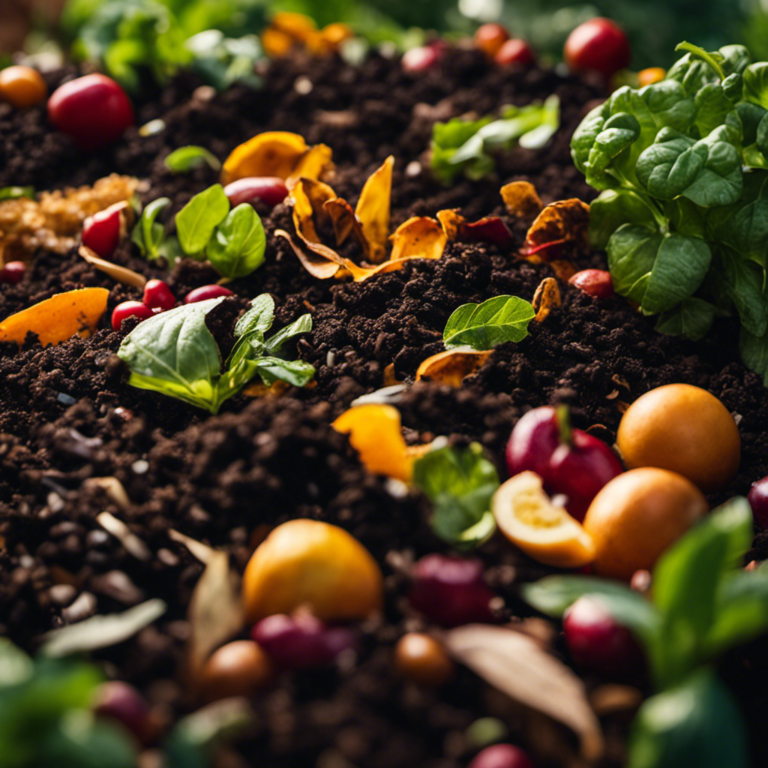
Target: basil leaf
{"points": [[148, 234], [238, 244], [695, 724], [301, 325], [613, 209], [258, 318], [295, 372], [484, 326], [460, 484], [691, 318], [196, 221], [188, 158], [175, 354], [13, 193]]}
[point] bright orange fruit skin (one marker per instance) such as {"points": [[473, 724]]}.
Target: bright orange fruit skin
{"points": [[684, 429], [637, 516], [23, 87]]}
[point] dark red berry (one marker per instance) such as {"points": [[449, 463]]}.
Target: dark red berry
{"points": [[157, 295], [501, 756], [206, 292], [101, 232], [758, 500], [267, 189], [595, 282], [122, 703], [517, 53], [13, 272], [129, 309]]}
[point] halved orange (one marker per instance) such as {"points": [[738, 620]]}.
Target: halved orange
{"points": [[543, 530]]}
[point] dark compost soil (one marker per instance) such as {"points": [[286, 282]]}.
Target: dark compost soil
{"points": [[67, 414]]}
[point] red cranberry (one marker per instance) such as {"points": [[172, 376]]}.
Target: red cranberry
{"points": [[301, 641], [517, 53], [597, 642], [206, 292], [758, 500], [12, 272], [129, 309], [533, 441], [422, 59], [101, 232], [157, 295], [121, 702], [450, 590], [501, 756], [598, 45], [595, 282], [269, 190]]}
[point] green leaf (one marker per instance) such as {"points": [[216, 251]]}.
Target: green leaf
{"points": [[613, 209], [743, 282], [691, 318], [13, 193], [460, 484], [754, 352], [695, 724], [484, 326], [79, 740], [197, 220], [295, 372], [756, 84], [148, 234], [175, 354], [188, 158], [258, 318], [238, 244], [274, 344], [15, 666], [693, 72]]}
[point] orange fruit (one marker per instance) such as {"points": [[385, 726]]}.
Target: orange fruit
{"points": [[23, 87], [545, 532], [375, 433], [650, 76], [636, 516], [314, 564], [684, 429]]}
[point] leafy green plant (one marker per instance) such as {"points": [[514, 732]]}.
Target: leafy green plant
{"points": [[683, 214], [468, 146], [702, 604], [13, 193], [460, 484], [175, 354], [188, 158], [485, 326]]}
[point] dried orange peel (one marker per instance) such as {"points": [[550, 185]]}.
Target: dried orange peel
{"points": [[295, 30], [559, 224], [544, 531], [74, 313], [452, 366]]}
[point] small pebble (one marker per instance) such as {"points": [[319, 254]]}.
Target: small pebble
{"points": [[118, 586], [303, 85], [62, 594], [140, 467]]}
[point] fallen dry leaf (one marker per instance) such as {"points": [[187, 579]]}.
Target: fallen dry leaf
{"points": [[59, 318], [373, 208], [315, 163], [452, 366], [559, 224], [115, 271], [451, 221], [547, 297], [521, 199], [345, 223], [490, 229], [321, 261], [274, 153], [418, 238], [517, 665], [308, 199]]}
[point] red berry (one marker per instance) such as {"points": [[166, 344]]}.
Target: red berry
{"points": [[12, 272], [129, 309], [599, 644], [121, 702], [501, 756], [101, 232], [301, 641], [206, 292], [269, 190], [93, 110], [490, 37], [451, 591], [421, 59], [533, 441], [595, 282], [157, 295], [758, 500], [516, 52], [598, 45]]}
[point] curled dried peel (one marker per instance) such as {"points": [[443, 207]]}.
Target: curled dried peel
{"points": [[313, 164], [345, 223], [451, 221], [275, 153], [565, 222], [116, 271], [521, 199], [308, 199], [546, 297], [418, 238], [59, 318], [453, 366], [373, 210]]}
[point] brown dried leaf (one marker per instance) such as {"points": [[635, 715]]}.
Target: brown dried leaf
{"points": [[517, 666], [113, 488], [521, 199], [452, 366], [373, 210], [115, 271], [390, 379], [215, 610], [345, 223], [201, 551], [320, 261], [451, 221], [418, 238], [547, 297], [558, 224]]}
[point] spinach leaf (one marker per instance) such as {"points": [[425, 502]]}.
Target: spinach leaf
{"points": [[743, 282], [295, 372], [238, 244], [611, 210], [756, 84], [460, 484], [754, 352], [188, 158], [148, 234], [691, 318], [197, 220], [485, 326]]}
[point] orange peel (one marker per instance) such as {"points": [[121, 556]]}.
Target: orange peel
{"points": [[546, 298], [452, 366], [521, 199], [418, 238], [561, 223], [74, 313], [373, 210]]}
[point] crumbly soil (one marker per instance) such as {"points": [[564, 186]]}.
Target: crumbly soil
{"points": [[67, 414]]}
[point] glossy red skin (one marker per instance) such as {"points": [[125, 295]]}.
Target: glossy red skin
{"points": [[595, 282], [489, 37], [598, 45], [13, 272], [301, 641], [101, 232], [758, 500], [451, 591], [491, 229], [533, 441], [122, 703], [269, 190], [93, 110], [157, 295], [422, 59], [597, 643], [501, 756], [516, 52], [129, 309], [206, 292]]}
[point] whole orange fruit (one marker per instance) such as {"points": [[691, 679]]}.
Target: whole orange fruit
{"points": [[684, 429], [22, 86], [637, 516], [313, 564]]}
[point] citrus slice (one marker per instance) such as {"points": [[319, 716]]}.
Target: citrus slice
{"points": [[543, 530]]}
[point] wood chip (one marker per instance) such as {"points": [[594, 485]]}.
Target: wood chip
{"points": [[115, 271], [130, 541]]}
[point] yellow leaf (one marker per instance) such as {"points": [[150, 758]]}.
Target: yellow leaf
{"points": [[418, 238], [521, 199], [452, 366], [308, 198], [373, 210], [276, 43], [452, 222], [559, 224], [59, 318], [321, 262], [345, 223], [547, 297], [275, 153], [313, 164]]}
